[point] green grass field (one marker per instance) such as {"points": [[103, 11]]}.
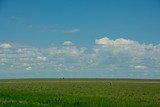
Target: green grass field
{"points": [[79, 93]]}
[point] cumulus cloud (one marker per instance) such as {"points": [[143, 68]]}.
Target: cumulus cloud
{"points": [[122, 41], [119, 41], [5, 45], [108, 58], [68, 43], [103, 41]]}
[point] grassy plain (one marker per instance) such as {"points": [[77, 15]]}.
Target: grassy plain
{"points": [[79, 93]]}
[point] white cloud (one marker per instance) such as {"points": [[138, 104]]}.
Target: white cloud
{"points": [[75, 30], [67, 51], [122, 41], [5, 45], [68, 43], [21, 50], [103, 41], [71, 30], [40, 58], [139, 67], [25, 64], [29, 68], [119, 41]]}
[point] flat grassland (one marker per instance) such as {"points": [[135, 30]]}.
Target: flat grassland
{"points": [[79, 93]]}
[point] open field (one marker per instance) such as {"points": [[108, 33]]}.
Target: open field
{"points": [[80, 93]]}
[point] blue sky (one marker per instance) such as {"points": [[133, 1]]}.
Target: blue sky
{"points": [[61, 33]]}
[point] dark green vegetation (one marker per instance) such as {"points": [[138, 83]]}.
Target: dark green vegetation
{"points": [[80, 93]]}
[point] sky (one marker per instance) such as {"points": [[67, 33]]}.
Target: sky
{"points": [[80, 38]]}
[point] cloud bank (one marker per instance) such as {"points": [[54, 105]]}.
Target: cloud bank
{"points": [[108, 58], [5, 45]]}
